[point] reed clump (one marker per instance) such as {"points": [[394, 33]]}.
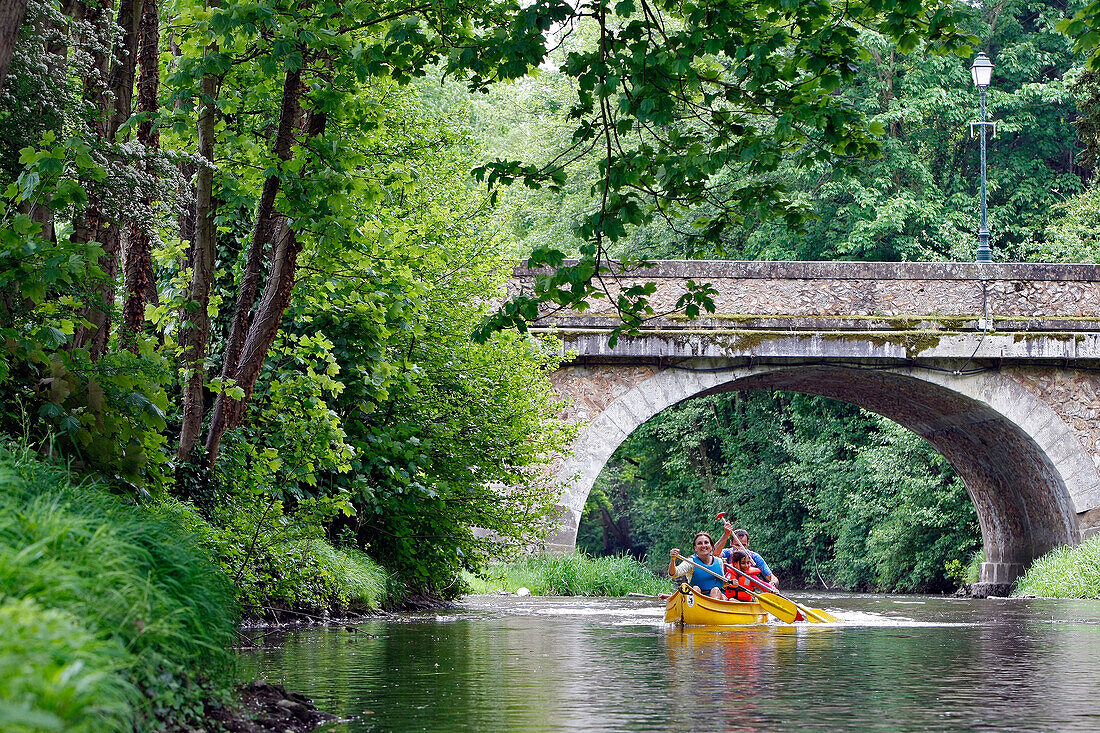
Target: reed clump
{"points": [[571, 575], [113, 617], [1067, 572]]}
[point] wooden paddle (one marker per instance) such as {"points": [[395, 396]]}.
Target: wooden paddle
{"points": [[816, 615], [782, 608]]}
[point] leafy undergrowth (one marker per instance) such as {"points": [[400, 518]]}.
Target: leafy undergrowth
{"points": [[113, 618], [969, 573], [281, 567], [1067, 572], [571, 575]]}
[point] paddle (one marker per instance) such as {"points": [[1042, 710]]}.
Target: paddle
{"points": [[782, 608], [816, 615]]}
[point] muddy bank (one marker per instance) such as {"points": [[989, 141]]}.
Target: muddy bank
{"points": [[261, 707]]}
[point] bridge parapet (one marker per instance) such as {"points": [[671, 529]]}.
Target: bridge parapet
{"points": [[877, 310]]}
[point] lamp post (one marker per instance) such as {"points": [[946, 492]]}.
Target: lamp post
{"points": [[982, 71]]}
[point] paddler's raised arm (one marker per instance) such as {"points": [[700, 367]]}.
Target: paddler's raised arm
{"points": [[727, 532]]}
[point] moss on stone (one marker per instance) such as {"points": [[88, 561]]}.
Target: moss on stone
{"points": [[1064, 336], [914, 342]]}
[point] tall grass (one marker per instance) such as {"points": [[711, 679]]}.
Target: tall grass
{"points": [[1067, 572], [128, 598], [361, 582], [56, 675], [571, 575]]}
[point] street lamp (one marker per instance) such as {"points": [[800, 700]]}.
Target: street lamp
{"points": [[982, 71]]}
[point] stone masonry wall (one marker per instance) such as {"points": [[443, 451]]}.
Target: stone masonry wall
{"points": [[863, 289], [588, 390], [1074, 395]]}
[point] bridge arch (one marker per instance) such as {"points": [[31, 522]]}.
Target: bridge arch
{"points": [[1025, 470]]}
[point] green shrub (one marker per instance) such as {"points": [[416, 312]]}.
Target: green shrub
{"points": [[1067, 572], [278, 562], [133, 578], [968, 573], [571, 575], [55, 675]]}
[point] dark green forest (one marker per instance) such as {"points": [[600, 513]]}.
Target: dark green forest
{"points": [[252, 260]]}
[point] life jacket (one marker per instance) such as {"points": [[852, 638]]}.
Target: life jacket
{"points": [[737, 592], [704, 580]]}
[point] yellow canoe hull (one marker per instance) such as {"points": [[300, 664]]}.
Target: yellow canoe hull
{"points": [[696, 610]]}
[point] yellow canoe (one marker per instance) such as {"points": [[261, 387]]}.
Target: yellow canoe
{"points": [[692, 609]]}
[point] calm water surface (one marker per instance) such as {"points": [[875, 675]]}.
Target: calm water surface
{"points": [[551, 664]]}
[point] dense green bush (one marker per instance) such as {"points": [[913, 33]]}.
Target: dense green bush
{"points": [[571, 575], [119, 597], [965, 573], [1067, 572]]}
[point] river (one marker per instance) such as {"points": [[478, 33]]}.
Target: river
{"points": [[896, 663]]}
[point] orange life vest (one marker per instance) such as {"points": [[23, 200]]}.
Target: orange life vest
{"points": [[735, 592]]}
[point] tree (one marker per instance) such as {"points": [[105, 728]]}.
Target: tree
{"points": [[690, 110], [11, 17]]}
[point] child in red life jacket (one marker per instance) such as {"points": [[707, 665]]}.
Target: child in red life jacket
{"points": [[740, 560]]}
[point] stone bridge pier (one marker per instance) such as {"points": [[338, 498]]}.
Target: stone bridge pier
{"points": [[997, 366]]}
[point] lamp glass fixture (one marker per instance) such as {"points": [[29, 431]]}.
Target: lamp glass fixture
{"points": [[981, 71]]}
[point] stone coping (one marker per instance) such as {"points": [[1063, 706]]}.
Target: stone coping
{"points": [[1063, 348], [851, 270], [569, 321]]}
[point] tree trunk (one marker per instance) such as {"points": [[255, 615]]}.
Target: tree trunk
{"points": [[139, 263], [616, 535], [110, 238], [265, 224], [124, 64], [113, 99], [228, 413], [52, 37], [11, 18], [195, 334]]}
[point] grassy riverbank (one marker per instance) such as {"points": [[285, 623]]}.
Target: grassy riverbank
{"points": [[571, 575], [113, 616], [281, 567], [120, 616], [1067, 572]]}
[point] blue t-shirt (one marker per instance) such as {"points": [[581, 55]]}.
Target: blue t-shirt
{"points": [[765, 571]]}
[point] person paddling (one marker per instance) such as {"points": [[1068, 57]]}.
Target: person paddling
{"points": [[702, 582], [741, 542]]}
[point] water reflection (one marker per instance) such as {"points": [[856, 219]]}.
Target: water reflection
{"points": [[574, 664]]}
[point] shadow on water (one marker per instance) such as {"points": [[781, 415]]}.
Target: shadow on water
{"points": [[547, 664]]}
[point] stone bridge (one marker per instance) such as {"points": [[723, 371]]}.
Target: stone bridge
{"points": [[996, 365]]}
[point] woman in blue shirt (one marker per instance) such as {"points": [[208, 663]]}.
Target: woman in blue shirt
{"points": [[701, 581]]}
